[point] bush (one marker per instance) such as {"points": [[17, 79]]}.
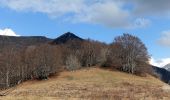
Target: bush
{"points": [[72, 63], [41, 73]]}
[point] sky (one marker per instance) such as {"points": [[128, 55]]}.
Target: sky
{"points": [[100, 20]]}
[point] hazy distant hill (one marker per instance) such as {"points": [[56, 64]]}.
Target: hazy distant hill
{"points": [[167, 67], [65, 38]]}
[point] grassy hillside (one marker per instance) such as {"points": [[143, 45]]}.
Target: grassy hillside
{"points": [[92, 84]]}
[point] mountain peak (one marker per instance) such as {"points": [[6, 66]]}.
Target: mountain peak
{"points": [[66, 37], [69, 33]]}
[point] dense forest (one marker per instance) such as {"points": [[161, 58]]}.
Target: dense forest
{"points": [[42, 58]]}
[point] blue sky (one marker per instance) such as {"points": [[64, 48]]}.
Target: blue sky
{"points": [[98, 19]]}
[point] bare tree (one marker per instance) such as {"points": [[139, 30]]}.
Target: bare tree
{"points": [[72, 63], [89, 53], [131, 52], [46, 61], [113, 57], [28, 66], [11, 65]]}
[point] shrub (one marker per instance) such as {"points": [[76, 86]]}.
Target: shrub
{"points": [[72, 63]]}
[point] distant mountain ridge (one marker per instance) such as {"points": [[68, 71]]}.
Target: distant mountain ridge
{"points": [[22, 40], [65, 38], [167, 67], [163, 74]]}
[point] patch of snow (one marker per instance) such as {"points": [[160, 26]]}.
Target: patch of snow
{"points": [[8, 32]]}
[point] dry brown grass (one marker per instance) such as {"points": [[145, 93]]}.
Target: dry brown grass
{"points": [[91, 84]]}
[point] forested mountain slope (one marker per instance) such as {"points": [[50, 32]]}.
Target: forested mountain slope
{"points": [[6, 41]]}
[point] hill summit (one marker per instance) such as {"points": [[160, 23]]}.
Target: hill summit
{"points": [[66, 37], [91, 84]]}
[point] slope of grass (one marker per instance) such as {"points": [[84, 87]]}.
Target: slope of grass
{"points": [[93, 83]]}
